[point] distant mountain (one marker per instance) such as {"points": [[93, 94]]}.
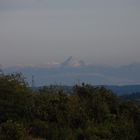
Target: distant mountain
{"points": [[72, 71], [70, 62]]}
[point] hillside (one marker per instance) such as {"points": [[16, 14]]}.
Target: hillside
{"points": [[90, 113]]}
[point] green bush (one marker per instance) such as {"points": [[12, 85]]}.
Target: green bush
{"points": [[12, 131], [38, 128]]}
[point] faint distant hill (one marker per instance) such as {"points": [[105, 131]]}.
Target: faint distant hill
{"points": [[72, 71], [125, 90]]}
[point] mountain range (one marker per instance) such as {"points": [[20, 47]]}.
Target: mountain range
{"points": [[73, 71]]}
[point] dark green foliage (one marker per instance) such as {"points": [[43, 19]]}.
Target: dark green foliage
{"points": [[12, 131], [135, 97], [38, 128], [89, 113], [14, 98]]}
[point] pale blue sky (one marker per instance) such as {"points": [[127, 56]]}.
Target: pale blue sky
{"points": [[97, 31]]}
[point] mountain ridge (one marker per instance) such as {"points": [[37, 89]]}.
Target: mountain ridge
{"points": [[72, 70]]}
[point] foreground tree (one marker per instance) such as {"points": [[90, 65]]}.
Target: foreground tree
{"points": [[86, 113]]}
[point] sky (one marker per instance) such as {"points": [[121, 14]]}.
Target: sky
{"points": [[96, 31]]}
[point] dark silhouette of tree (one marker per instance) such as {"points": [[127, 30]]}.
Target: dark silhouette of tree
{"points": [[89, 113]]}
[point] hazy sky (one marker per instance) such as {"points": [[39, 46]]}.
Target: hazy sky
{"points": [[97, 31]]}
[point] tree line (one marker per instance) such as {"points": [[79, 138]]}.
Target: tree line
{"points": [[88, 113]]}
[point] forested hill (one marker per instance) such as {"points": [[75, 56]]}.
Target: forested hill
{"points": [[132, 97], [90, 113], [118, 90], [127, 89]]}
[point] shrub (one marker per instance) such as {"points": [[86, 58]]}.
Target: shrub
{"points": [[12, 131]]}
